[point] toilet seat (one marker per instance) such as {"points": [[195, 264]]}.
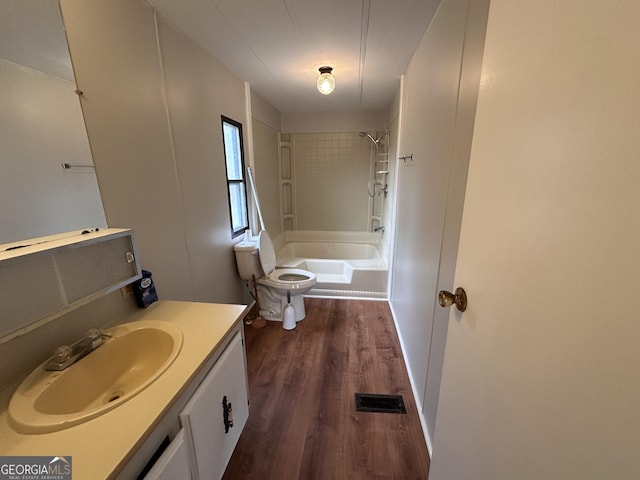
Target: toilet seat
{"points": [[289, 278], [281, 278]]}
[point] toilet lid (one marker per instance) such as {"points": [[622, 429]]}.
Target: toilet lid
{"points": [[267, 253]]}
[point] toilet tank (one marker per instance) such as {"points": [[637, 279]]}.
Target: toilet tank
{"points": [[247, 259]]}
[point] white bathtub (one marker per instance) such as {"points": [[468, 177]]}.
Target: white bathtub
{"points": [[346, 264]]}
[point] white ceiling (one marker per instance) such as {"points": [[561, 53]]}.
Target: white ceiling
{"points": [[278, 45], [275, 45]]}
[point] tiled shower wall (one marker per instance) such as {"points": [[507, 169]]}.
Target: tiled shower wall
{"points": [[331, 172]]}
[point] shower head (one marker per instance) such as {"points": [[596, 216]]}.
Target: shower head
{"points": [[374, 140]]}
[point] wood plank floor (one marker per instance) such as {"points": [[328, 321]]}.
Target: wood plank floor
{"points": [[303, 423]]}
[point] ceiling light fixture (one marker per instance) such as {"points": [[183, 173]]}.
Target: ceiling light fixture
{"points": [[326, 83]]}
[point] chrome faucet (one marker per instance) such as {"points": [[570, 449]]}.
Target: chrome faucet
{"points": [[66, 355], [379, 229]]}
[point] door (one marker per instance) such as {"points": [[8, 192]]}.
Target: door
{"points": [[216, 414], [541, 375]]}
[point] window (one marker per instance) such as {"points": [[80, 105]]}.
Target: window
{"points": [[236, 183]]}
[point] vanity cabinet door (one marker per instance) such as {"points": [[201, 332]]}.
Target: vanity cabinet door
{"points": [[173, 464], [215, 416]]}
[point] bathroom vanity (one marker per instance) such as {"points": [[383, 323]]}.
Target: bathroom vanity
{"points": [[184, 405], [183, 424]]}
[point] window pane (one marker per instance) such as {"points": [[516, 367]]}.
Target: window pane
{"points": [[234, 163], [238, 203], [232, 151]]}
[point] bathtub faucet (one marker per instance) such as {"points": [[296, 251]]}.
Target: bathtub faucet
{"points": [[379, 229]]}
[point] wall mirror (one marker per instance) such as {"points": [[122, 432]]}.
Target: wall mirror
{"points": [[41, 128]]}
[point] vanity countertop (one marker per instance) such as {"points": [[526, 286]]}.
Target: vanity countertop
{"points": [[102, 446]]}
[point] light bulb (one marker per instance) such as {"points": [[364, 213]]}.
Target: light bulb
{"points": [[326, 83]]}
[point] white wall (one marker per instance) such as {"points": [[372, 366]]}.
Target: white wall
{"points": [[41, 127], [436, 124], [152, 104], [264, 112], [198, 90], [266, 120], [267, 174]]}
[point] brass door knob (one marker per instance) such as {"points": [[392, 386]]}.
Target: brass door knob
{"points": [[446, 299]]}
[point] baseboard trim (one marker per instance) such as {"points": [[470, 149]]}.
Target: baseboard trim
{"points": [[416, 396]]}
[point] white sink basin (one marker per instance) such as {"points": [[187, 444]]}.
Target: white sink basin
{"points": [[132, 359]]}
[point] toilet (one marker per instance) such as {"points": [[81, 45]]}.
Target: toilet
{"points": [[258, 257]]}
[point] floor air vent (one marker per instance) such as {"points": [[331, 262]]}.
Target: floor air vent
{"points": [[373, 402]]}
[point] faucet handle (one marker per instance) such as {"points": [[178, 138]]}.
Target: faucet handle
{"points": [[94, 333], [96, 337], [62, 353]]}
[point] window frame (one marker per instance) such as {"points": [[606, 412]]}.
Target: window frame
{"points": [[235, 232]]}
